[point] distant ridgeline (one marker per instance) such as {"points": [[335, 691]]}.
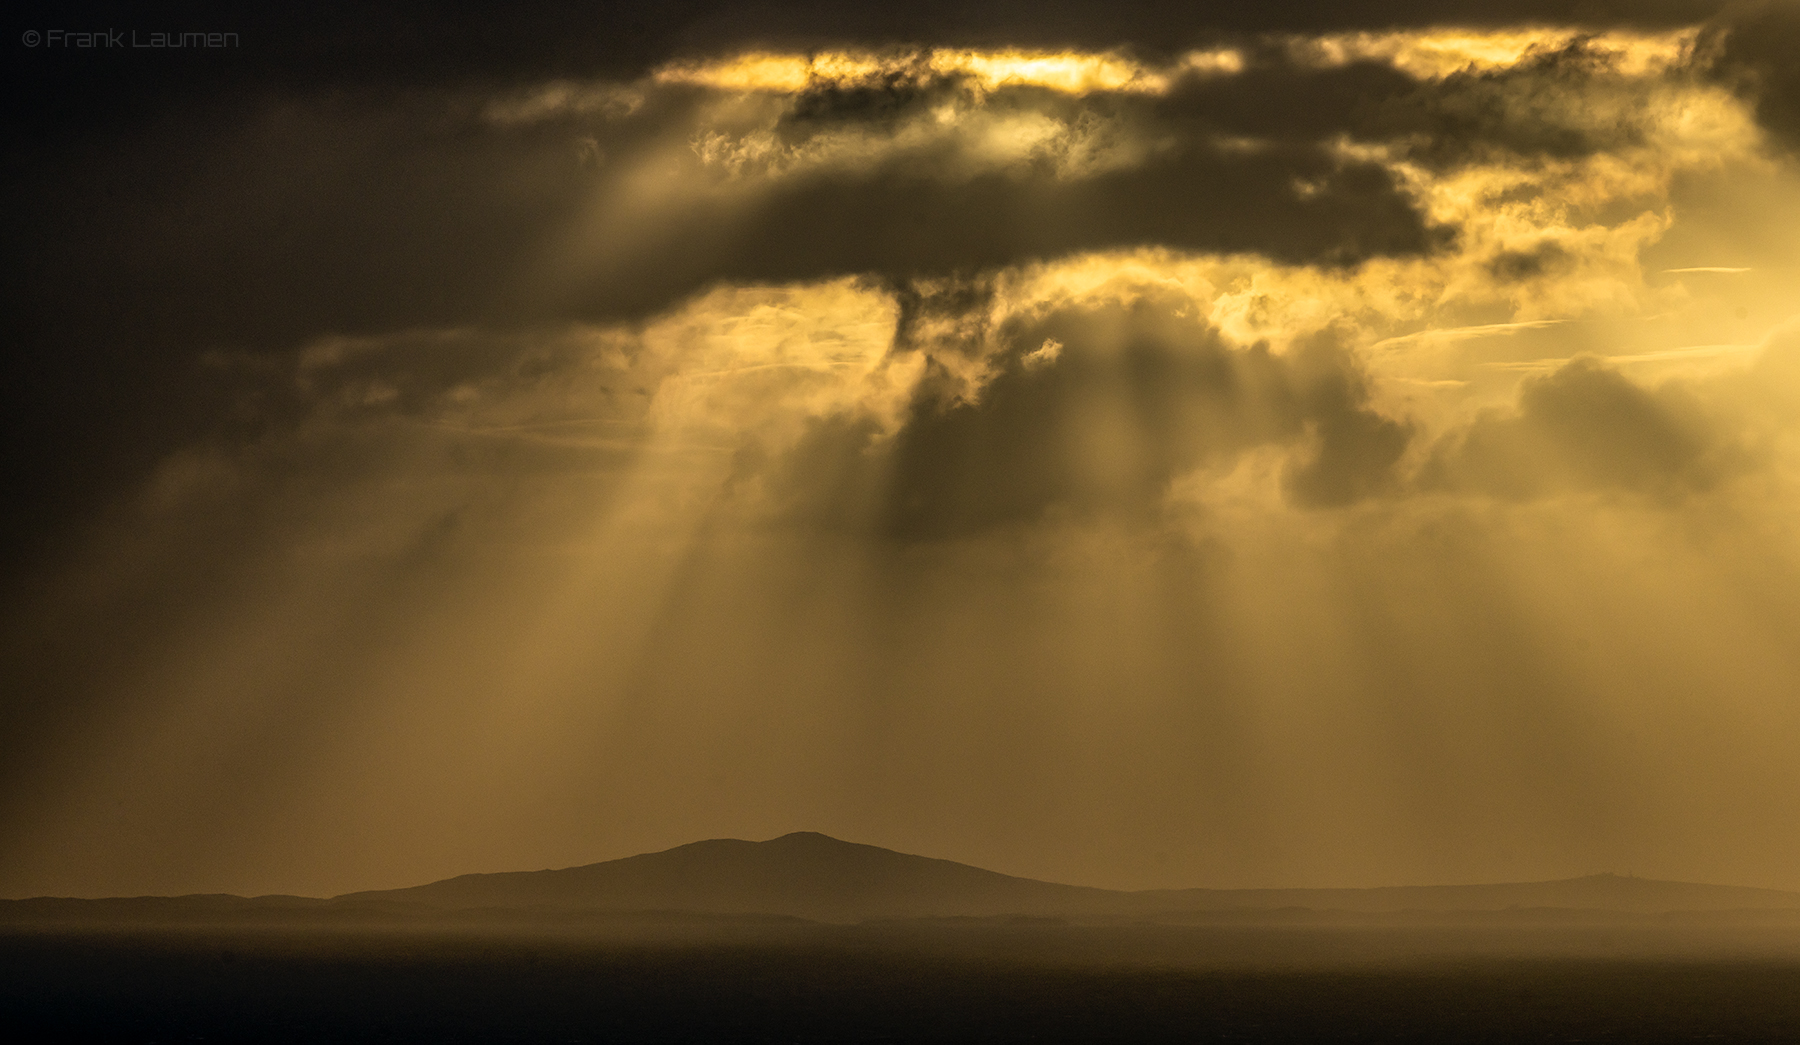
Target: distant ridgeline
{"points": [[810, 877]]}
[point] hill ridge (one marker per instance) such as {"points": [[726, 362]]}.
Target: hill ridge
{"points": [[814, 875]]}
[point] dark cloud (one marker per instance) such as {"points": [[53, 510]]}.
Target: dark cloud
{"points": [[1093, 412], [947, 315], [1752, 49], [319, 214], [1276, 98], [882, 102], [1585, 426], [1545, 259], [1562, 104], [327, 176], [1566, 103], [1292, 204]]}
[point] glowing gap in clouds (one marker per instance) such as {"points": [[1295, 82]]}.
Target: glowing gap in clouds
{"points": [[1428, 54]]}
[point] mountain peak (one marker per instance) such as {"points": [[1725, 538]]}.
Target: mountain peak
{"points": [[802, 873], [813, 844]]}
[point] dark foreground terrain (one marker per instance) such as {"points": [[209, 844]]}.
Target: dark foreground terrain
{"points": [[927, 982]]}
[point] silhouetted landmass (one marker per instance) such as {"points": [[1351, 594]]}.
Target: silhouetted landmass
{"points": [[811, 877], [805, 874], [808, 939], [814, 876]]}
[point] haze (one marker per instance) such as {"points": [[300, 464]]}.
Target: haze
{"points": [[1330, 448]]}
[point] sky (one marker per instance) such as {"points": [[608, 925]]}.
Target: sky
{"points": [[1179, 445]]}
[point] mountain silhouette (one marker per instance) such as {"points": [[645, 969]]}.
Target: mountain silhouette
{"points": [[811, 875], [805, 873]]}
